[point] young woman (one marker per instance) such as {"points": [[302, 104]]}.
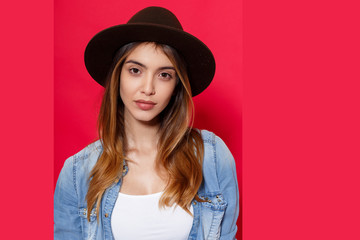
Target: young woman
{"points": [[151, 175]]}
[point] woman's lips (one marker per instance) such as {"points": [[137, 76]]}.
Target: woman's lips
{"points": [[145, 105]]}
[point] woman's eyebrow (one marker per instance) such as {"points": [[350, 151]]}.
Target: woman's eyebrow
{"points": [[169, 67], [142, 65], [135, 62]]}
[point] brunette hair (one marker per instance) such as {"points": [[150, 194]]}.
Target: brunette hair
{"points": [[180, 147]]}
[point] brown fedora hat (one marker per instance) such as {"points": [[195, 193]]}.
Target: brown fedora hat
{"points": [[152, 24]]}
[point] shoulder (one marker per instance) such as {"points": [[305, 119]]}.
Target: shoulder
{"points": [[214, 143], [87, 156], [70, 192], [81, 163], [220, 180], [220, 187], [218, 159], [212, 138]]}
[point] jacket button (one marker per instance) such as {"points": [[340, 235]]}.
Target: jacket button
{"points": [[106, 215], [209, 201], [194, 203]]}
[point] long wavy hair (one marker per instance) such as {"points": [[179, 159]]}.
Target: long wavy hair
{"points": [[180, 147]]}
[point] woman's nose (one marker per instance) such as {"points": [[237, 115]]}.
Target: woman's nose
{"points": [[148, 87]]}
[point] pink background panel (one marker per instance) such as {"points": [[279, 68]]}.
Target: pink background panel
{"points": [[77, 96], [301, 138]]}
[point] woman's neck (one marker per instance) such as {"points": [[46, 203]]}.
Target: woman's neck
{"points": [[141, 136], [145, 175]]}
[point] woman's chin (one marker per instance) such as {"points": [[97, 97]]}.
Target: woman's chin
{"points": [[148, 120]]}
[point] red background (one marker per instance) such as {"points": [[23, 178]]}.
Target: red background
{"points": [[77, 96], [300, 119]]}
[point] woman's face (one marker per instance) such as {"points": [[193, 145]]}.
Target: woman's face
{"points": [[147, 82]]}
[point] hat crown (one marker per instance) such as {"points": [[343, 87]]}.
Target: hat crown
{"points": [[157, 16]]}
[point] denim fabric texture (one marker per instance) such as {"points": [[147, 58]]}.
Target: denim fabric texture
{"points": [[213, 219]]}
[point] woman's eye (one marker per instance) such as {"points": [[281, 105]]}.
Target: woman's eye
{"points": [[134, 70], [165, 75]]}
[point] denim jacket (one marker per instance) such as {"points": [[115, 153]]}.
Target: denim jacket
{"points": [[213, 219]]}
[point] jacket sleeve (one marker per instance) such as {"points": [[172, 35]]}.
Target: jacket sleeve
{"points": [[67, 223], [226, 172]]}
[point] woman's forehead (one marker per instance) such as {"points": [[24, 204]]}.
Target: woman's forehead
{"points": [[149, 54]]}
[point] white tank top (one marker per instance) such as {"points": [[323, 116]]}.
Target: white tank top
{"points": [[139, 217]]}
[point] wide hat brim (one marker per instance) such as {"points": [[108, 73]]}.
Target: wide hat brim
{"points": [[101, 50]]}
